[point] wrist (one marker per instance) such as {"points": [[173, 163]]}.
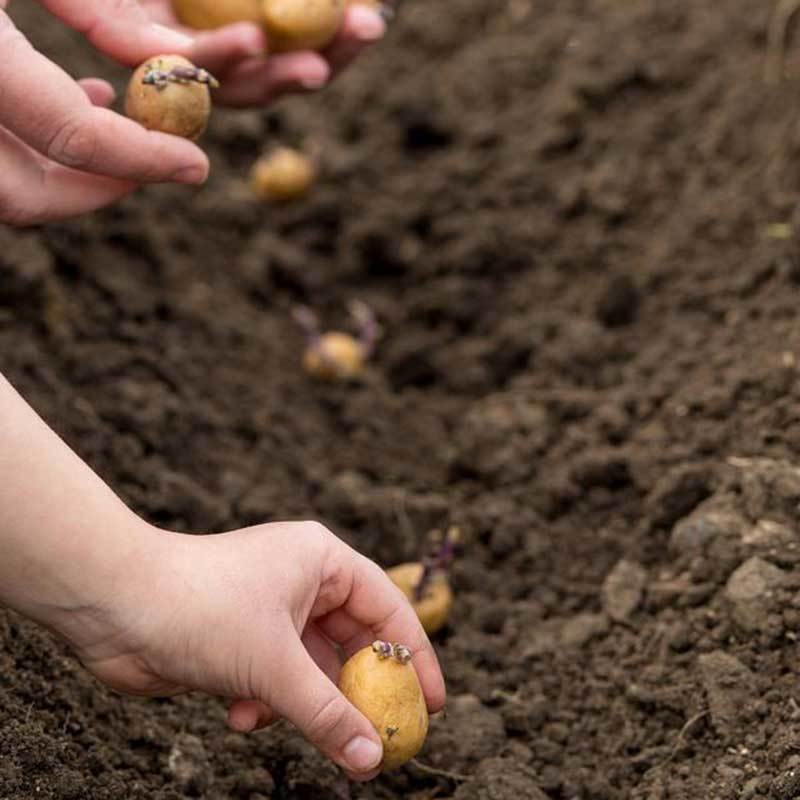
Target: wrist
{"points": [[95, 579]]}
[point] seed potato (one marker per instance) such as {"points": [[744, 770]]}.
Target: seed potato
{"points": [[283, 175], [433, 609], [210, 14], [181, 108], [335, 357], [289, 24], [301, 24], [388, 693]]}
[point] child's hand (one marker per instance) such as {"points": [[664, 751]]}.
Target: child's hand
{"points": [[253, 616], [63, 152]]}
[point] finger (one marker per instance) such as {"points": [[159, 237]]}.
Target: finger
{"points": [[246, 716], [100, 93], [362, 26], [303, 694], [45, 108], [376, 603], [121, 29], [350, 634], [218, 51], [256, 82], [33, 191]]}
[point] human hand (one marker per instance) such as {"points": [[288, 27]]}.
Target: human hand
{"points": [[235, 54], [254, 615], [63, 152]]}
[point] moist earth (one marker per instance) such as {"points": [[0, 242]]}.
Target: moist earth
{"points": [[575, 220]]}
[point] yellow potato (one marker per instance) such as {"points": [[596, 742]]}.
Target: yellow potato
{"points": [[388, 693], [179, 107], [301, 24], [209, 14], [283, 175], [433, 609], [335, 357]]}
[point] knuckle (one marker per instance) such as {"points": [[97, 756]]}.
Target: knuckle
{"points": [[327, 720], [75, 142]]}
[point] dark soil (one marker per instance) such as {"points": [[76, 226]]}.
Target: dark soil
{"points": [[564, 213]]}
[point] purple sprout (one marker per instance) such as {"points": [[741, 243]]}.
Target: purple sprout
{"points": [[384, 650], [180, 74], [439, 561]]}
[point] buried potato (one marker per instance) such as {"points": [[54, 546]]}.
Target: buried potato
{"points": [[336, 355], [169, 94], [381, 682]]}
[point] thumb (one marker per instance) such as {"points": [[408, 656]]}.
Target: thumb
{"points": [[121, 30], [304, 695]]}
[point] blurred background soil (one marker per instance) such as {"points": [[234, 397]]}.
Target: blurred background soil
{"points": [[575, 221]]}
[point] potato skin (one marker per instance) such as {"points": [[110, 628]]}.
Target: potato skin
{"points": [[182, 109], [335, 357], [389, 695], [283, 175], [434, 608], [301, 24], [210, 14]]}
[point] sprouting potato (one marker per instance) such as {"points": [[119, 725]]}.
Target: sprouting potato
{"points": [[210, 14], [301, 24], [283, 175], [436, 601], [335, 356], [381, 682], [169, 94]]}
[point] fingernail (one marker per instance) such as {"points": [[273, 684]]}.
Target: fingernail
{"points": [[172, 37], [195, 174], [367, 25], [362, 754]]}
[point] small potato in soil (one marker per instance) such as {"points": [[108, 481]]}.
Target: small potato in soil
{"points": [[301, 24], [436, 603], [386, 690], [283, 175], [210, 14], [335, 357], [160, 100]]}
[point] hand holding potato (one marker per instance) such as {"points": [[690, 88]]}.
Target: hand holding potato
{"points": [[64, 153], [258, 613], [253, 615]]}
